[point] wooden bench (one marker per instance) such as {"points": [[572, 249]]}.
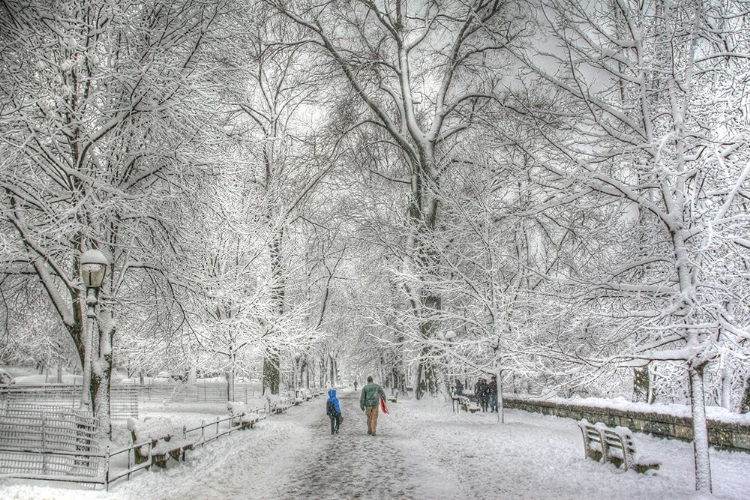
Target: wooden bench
{"points": [[241, 416], [163, 441], [616, 446], [465, 404], [278, 404]]}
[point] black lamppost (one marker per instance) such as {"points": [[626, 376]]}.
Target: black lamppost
{"points": [[93, 268]]}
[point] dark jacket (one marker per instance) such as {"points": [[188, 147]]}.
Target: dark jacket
{"points": [[333, 399], [371, 394], [481, 389], [492, 388]]}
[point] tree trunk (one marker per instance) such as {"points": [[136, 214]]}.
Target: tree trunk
{"points": [[745, 404], [271, 368], [230, 378], [726, 384], [641, 384], [101, 373], [700, 429], [271, 373], [499, 383]]}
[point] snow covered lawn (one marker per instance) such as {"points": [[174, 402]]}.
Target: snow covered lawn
{"points": [[422, 451]]}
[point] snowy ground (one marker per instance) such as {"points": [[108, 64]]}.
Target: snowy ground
{"points": [[422, 451]]}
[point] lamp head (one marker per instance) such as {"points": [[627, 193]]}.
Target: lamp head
{"points": [[93, 268]]}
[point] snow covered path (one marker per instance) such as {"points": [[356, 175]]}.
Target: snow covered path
{"points": [[352, 464], [422, 451], [300, 459]]}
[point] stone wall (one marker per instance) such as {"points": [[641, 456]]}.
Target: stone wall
{"points": [[720, 434]]}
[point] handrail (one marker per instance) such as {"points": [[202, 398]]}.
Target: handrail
{"points": [[131, 468], [65, 453]]}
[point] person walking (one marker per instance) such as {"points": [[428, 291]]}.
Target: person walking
{"points": [[421, 388], [492, 390], [355, 386], [333, 410], [459, 391], [480, 392], [369, 401]]}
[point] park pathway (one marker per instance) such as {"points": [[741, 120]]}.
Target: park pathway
{"points": [[294, 456], [353, 464]]}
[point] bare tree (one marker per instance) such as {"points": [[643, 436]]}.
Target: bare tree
{"points": [[93, 124], [654, 129], [420, 72], [271, 112]]}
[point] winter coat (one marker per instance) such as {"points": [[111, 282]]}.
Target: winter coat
{"points": [[482, 390], [334, 404], [492, 388], [371, 394]]}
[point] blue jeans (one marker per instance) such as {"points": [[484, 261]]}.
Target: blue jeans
{"points": [[493, 402]]}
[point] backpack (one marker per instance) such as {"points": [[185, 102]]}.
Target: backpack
{"points": [[330, 409]]}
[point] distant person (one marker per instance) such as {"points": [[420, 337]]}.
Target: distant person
{"points": [[369, 401], [421, 388], [492, 394], [485, 390], [480, 392], [459, 388], [333, 410], [355, 386]]}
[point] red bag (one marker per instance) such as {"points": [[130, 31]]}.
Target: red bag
{"points": [[383, 407]]}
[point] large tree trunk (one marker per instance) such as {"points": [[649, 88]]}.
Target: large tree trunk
{"points": [[271, 367], [700, 429], [271, 373], [101, 373], [641, 384], [499, 381], [726, 383], [745, 404], [230, 377]]}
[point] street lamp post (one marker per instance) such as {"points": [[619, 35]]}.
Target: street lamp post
{"points": [[93, 268]]}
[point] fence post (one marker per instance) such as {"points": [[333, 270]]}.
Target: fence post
{"points": [[106, 468], [217, 426], [131, 453], [203, 430], [44, 446]]}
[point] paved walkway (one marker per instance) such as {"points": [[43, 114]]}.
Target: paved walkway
{"points": [[294, 456]]}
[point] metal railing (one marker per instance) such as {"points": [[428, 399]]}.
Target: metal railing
{"points": [[36, 459], [123, 398]]}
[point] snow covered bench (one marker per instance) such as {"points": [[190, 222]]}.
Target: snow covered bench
{"points": [[616, 446], [162, 441], [466, 404], [278, 404], [241, 416]]}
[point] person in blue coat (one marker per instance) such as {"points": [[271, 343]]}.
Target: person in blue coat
{"points": [[333, 410]]}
